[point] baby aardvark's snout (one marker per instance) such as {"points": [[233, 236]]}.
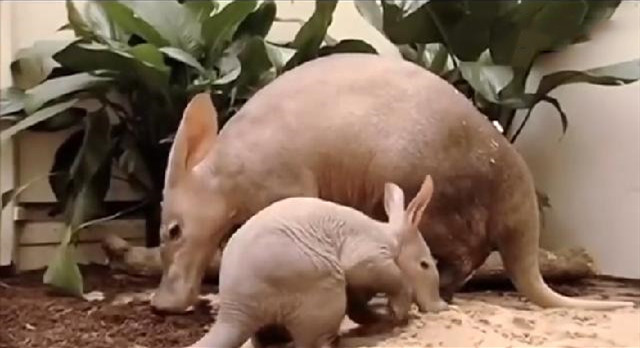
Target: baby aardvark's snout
{"points": [[434, 306]]}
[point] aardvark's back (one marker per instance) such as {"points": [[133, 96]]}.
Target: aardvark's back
{"points": [[345, 125]]}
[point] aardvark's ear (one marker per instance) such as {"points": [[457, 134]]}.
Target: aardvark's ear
{"points": [[393, 202], [416, 207], [194, 139]]}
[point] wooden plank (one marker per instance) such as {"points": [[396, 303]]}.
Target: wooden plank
{"points": [[33, 212], [34, 257], [7, 225], [50, 232]]}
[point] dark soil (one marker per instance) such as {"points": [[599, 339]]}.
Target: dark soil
{"points": [[32, 316]]}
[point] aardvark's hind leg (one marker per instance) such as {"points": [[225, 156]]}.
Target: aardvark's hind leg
{"points": [[316, 324]]}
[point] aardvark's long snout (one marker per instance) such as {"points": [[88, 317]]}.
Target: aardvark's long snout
{"points": [[173, 296], [433, 306]]}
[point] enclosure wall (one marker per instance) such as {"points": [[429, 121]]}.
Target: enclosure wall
{"points": [[592, 175]]}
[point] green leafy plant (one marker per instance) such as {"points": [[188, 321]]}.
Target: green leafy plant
{"points": [[487, 49], [122, 84]]}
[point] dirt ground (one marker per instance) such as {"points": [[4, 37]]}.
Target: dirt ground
{"points": [[31, 316]]}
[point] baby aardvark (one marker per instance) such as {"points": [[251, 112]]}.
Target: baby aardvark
{"points": [[302, 263]]}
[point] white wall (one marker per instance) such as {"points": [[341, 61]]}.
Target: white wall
{"points": [[592, 175]]}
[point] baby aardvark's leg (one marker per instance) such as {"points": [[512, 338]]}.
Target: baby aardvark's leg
{"points": [[384, 277], [316, 322], [231, 330], [358, 309]]}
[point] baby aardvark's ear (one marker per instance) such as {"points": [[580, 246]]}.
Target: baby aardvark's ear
{"points": [[416, 207], [194, 139]]}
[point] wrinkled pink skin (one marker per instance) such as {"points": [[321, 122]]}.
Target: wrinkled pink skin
{"points": [[338, 128], [290, 265]]}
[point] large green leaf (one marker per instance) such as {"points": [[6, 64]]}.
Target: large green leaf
{"points": [[410, 6], [126, 19], [347, 46], [183, 57], [133, 164], [611, 75], [436, 58], [94, 57], [89, 178], [258, 22], [465, 26], [597, 12], [32, 65], [52, 89], [90, 172], [201, 9], [229, 68], [11, 194], [279, 55], [149, 54], [77, 22], [64, 120], [35, 118], [418, 27], [219, 29], [371, 11], [63, 273], [177, 24], [63, 160], [486, 77], [11, 100], [532, 27], [94, 24], [555, 103], [255, 62], [312, 34]]}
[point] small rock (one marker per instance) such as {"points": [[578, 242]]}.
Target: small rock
{"points": [[94, 296], [29, 327], [498, 126], [523, 323], [129, 297], [454, 307]]}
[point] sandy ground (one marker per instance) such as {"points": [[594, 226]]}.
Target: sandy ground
{"points": [[496, 319], [492, 320]]}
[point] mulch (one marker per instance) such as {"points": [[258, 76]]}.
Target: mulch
{"points": [[31, 315]]}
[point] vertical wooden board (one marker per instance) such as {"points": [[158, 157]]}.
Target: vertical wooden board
{"points": [[7, 224], [7, 158]]}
